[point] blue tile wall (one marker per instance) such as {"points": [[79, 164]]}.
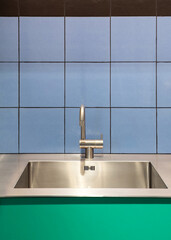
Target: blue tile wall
{"points": [[8, 39], [133, 131], [9, 130], [42, 85], [118, 67], [133, 38], [164, 39], [133, 85], [42, 130], [164, 84], [164, 130], [87, 39], [72, 130], [8, 85], [87, 83], [98, 122], [42, 38]]}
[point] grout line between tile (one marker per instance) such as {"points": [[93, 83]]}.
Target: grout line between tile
{"points": [[18, 84], [110, 80], [64, 79], [156, 89], [84, 61], [96, 107]]}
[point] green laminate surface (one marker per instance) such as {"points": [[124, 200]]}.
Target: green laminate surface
{"points": [[85, 218]]}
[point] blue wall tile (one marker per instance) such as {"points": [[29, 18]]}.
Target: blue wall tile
{"points": [[97, 123], [8, 38], [133, 84], [41, 130], [133, 38], [42, 38], [72, 130], [8, 84], [163, 39], [87, 83], [133, 131], [9, 130], [164, 130], [87, 38], [42, 85], [164, 84]]}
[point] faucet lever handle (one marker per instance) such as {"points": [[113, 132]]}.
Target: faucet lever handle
{"points": [[101, 136]]}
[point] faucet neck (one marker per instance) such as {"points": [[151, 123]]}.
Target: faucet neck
{"points": [[88, 144], [82, 121]]}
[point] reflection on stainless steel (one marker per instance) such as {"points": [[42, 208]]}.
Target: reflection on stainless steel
{"points": [[88, 144], [97, 174]]}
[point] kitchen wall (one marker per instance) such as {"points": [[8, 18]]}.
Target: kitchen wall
{"points": [[113, 56]]}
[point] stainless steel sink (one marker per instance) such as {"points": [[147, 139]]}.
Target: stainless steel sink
{"points": [[89, 174]]}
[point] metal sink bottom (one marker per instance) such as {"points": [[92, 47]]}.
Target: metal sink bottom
{"points": [[89, 174]]}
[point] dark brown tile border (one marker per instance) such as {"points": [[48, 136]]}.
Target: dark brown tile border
{"points": [[133, 7], [164, 7], [9, 8], [41, 7], [87, 8]]}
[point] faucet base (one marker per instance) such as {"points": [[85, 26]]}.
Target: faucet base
{"points": [[89, 153]]}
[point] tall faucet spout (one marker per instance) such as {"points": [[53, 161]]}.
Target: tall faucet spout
{"points": [[82, 121], [88, 144]]}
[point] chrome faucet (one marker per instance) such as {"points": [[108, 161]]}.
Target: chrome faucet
{"points": [[88, 144], [82, 121]]}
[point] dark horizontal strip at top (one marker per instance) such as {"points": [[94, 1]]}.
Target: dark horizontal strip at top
{"points": [[133, 7], [87, 8], [41, 7], [164, 7], [9, 8]]}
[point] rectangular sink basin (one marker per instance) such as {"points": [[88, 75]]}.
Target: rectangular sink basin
{"points": [[89, 174]]}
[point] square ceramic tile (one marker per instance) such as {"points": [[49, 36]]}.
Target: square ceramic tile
{"points": [[41, 130], [87, 38], [9, 130], [133, 130], [42, 38], [97, 123], [133, 85], [164, 130], [133, 38], [42, 85], [72, 130], [88, 84], [163, 39], [164, 84], [8, 84], [8, 39]]}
